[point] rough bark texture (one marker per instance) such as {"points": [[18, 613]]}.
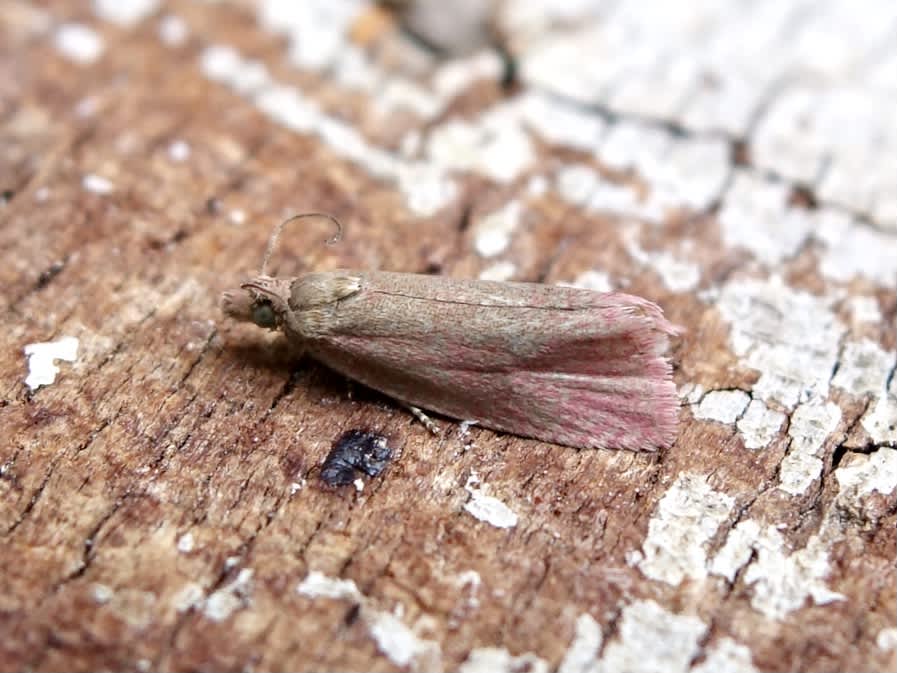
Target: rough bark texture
{"points": [[160, 501]]}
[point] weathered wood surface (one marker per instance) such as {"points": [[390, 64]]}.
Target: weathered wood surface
{"points": [[160, 503]]}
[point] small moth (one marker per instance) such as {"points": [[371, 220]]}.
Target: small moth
{"points": [[564, 365]]}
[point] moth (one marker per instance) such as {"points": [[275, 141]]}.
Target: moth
{"points": [[564, 365]]}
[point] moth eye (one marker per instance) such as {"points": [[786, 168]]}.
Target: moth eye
{"points": [[263, 315]]}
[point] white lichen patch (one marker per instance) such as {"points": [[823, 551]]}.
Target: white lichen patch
{"points": [[759, 425], [687, 516], [486, 507], [811, 425], [864, 367], [233, 596], [42, 357], [722, 406], [651, 639], [125, 13], [726, 656], [791, 337], [580, 656], [492, 233], [499, 660], [79, 43]]}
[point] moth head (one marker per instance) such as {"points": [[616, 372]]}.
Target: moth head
{"points": [[261, 301]]}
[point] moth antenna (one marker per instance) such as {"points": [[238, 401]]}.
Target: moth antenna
{"points": [[275, 235]]}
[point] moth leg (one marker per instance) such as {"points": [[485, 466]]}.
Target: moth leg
{"points": [[423, 418]]}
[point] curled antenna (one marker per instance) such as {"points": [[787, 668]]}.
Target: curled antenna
{"points": [[275, 235]]}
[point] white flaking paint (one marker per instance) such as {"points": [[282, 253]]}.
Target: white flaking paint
{"points": [[186, 543], [593, 280], [188, 596], [736, 551], [560, 123], [102, 594], [179, 151], [755, 216], [470, 582], [457, 75], [503, 270], [781, 581], [726, 656], [722, 406], [493, 145], [863, 368], [173, 30], [583, 651], [651, 639], [854, 249], [887, 639], [811, 424], [880, 420], [42, 357], [678, 276], [492, 233], [79, 43], [222, 603], [499, 660], [687, 517], [865, 309], [759, 425], [359, 485], [486, 507], [318, 585], [792, 338], [97, 184], [399, 643], [876, 472], [393, 638], [125, 13]]}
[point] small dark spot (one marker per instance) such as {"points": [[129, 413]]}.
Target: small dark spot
{"points": [[510, 71], [49, 274], [352, 614], [355, 450], [433, 268], [741, 153], [801, 197], [6, 196], [213, 205]]}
